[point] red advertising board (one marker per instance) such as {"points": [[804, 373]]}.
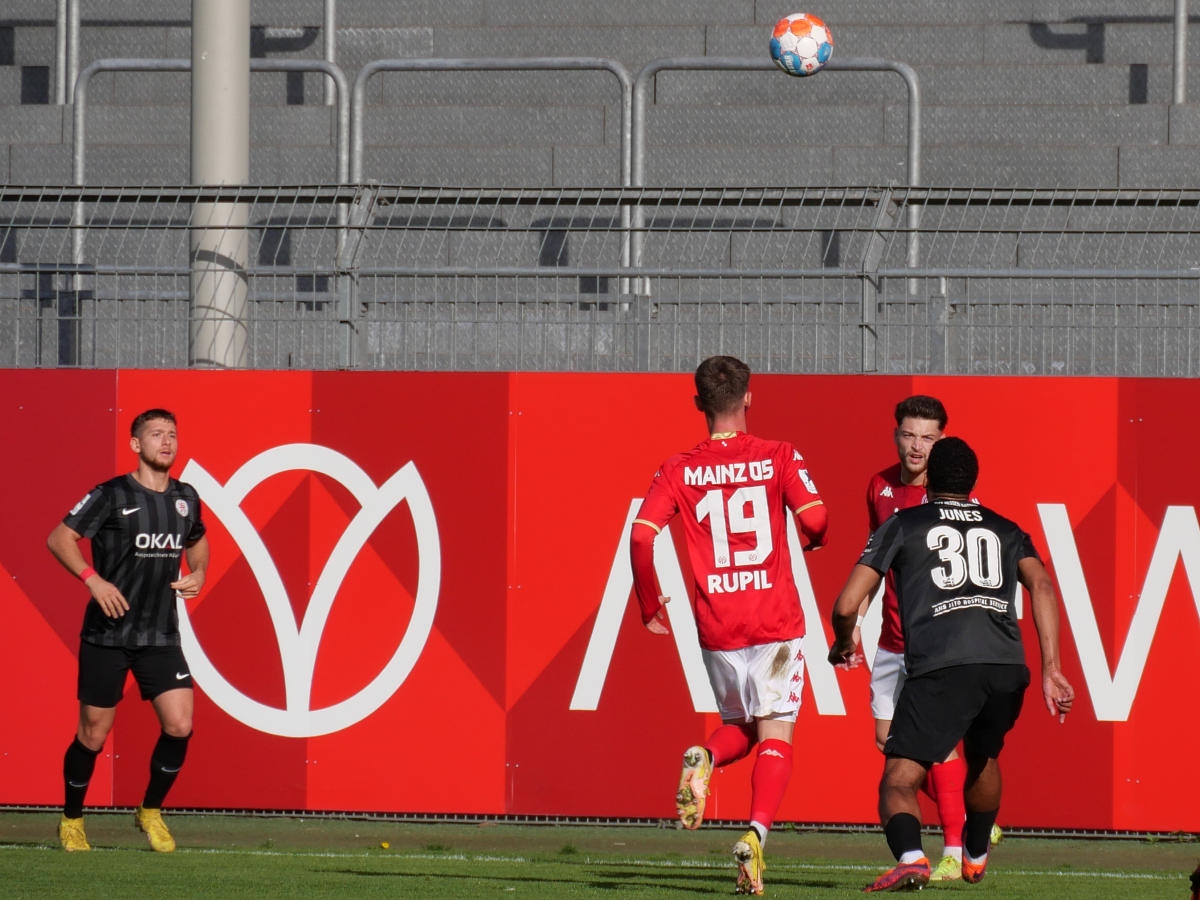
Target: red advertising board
{"points": [[419, 598]]}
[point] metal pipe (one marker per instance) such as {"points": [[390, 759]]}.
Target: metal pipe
{"points": [[330, 29], [60, 52], [220, 143], [72, 73], [1181, 27]]}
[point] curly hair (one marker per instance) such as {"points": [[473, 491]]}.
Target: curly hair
{"points": [[953, 467]]}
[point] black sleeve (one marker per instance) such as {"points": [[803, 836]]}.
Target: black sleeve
{"points": [[198, 528], [88, 515], [883, 545]]}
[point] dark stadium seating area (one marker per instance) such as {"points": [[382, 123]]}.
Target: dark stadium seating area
{"points": [[1013, 93]]}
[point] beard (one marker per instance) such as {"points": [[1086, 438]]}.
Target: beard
{"points": [[153, 462]]}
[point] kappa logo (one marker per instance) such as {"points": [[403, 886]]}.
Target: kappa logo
{"points": [[298, 645]]}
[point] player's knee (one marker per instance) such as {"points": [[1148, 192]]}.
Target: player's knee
{"points": [[93, 738], [178, 728], [93, 731], [902, 775]]}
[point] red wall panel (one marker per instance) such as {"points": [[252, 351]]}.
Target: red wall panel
{"points": [[454, 543]]}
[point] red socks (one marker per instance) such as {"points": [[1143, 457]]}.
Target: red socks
{"points": [[729, 743], [769, 781], [946, 779]]}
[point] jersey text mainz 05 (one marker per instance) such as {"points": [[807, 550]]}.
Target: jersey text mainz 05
{"points": [[733, 496]]}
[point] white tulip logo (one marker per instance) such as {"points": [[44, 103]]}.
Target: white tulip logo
{"points": [[298, 646]]}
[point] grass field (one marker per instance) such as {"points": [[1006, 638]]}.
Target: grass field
{"points": [[249, 856]]}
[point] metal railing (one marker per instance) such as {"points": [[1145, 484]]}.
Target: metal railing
{"points": [[645, 79], [1025, 282], [67, 27], [66, 48], [334, 75], [489, 64]]}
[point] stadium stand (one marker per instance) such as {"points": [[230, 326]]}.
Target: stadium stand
{"points": [[1052, 230], [1014, 93]]}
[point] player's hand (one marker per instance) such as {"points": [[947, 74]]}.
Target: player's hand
{"points": [[189, 585], [658, 624], [112, 602], [1058, 693], [841, 657]]}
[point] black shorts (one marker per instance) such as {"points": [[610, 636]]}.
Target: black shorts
{"points": [[977, 704], [102, 672]]}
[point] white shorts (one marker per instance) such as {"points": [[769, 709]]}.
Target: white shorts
{"points": [[760, 682], [887, 677]]}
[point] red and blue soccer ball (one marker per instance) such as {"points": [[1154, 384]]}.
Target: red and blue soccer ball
{"points": [[801, 44]]}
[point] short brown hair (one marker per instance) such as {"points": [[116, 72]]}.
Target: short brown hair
{"points": [[140, 421], [922, 406], [721, 384]]}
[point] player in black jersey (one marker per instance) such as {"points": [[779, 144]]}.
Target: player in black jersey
{"points": [[958, 567], [139, 526]]}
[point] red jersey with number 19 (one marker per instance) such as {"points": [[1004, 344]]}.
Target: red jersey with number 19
{"points": [[734, 493]]}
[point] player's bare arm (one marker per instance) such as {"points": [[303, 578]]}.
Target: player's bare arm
{"points": [[197, 561], [1043, 601], [858, 619], [64, 544], [861, 585]]}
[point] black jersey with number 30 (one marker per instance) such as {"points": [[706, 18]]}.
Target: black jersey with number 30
{"points": [[138, 537], [956, 582]]}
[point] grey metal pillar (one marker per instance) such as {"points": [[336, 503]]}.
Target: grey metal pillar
{"points": [[220, 156], [60, 52], [1181, 26], [72, 44], [330, 30]]}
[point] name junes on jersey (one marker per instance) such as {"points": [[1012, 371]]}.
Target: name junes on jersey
{"points": [[959, 515]]}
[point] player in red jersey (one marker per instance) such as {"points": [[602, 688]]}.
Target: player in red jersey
{"points": [[920, 421], [735, 493]]}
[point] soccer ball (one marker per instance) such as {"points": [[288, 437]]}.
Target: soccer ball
{"points": [[801, 44]]}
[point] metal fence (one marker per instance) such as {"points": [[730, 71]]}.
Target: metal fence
{"points": [[807, 281]]}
